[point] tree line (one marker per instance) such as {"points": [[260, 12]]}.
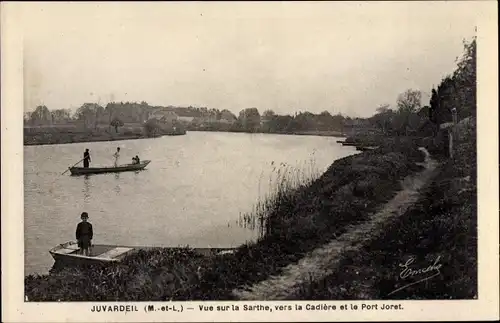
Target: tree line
{"points": [[455, 91]]}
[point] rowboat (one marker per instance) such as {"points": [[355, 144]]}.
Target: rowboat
{"points": [[366, 148], [68, 253], [100, 170]]}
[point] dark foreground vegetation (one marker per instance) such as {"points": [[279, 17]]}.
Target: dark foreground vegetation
{"points": [[441, 227]]}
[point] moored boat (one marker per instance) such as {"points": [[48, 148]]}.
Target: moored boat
{"points": [[100, 170], [68, 253], [366, 148]]}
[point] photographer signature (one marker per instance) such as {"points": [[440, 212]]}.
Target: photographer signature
{"points": [[430, 272]]}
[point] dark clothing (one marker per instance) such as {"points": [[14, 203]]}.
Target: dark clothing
{"points": [[84, 234], [86, 159]]}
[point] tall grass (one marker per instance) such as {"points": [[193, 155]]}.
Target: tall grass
{"points": [[284, 185]]}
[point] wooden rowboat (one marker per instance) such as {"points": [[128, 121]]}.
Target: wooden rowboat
{"points": [[68, 253], [366, 148], [100, 170]]}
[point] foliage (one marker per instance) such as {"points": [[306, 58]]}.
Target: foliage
{"points": [[152, 127], [41, 115], [249, 119], [89, 113], [457, 90], [61, 115], [409, 101], [116, 122]]}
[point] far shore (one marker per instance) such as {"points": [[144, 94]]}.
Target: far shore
{"points": [[57, 137]]}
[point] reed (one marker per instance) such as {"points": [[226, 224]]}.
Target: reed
{"points": [[285, 184]]}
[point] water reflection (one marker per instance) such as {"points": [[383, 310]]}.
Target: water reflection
{"points": [[86, 188], [117, 187]]}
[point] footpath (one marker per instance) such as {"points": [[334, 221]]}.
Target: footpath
{"points": [[324, 260]]}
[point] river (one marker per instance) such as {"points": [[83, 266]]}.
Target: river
{"points": [[192, 193]]}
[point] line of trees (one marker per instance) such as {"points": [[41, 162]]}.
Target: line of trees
{"points": [[409, 116], [455, 91]]}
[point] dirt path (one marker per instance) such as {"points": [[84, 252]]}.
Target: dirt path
{"points": [[322, 261]]}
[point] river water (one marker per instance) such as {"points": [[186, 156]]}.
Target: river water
{"points": [[193, 192]]}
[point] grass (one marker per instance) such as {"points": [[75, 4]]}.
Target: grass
{"points": [[151, 274], [443, 224]]}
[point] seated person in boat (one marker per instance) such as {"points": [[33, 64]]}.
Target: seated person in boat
{"points": [[84, 234], [136, 160]]}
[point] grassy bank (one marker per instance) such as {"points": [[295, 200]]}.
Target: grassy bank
{"points": [[443, 224], [71, 134], [296, 219]]}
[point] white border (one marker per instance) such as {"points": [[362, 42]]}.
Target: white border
{"points": [[15, 310]]}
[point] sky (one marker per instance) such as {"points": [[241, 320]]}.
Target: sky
{"points": [[343, 57]]}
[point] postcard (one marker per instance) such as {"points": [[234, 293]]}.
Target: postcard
{"points": [[249, 161]]}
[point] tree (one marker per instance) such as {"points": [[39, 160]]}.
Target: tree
{"points": [[89, 113], [409, 101], [268, 114], [383, 119], [465, 81], [61, 115], [116, 122], [41, 115], [151, 127], [249, 119]]}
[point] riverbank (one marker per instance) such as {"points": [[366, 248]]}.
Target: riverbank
{"points": [[320, 133], [439, 230], [65, 135], [298, 221]]}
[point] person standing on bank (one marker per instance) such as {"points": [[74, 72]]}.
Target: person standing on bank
{"points": [[117, 156], [86, 158], [84, 234]]}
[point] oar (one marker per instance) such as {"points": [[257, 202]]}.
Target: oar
{"points": [[72, 166]]}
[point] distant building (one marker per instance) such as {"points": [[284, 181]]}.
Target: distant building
{"points": [[185, 120], [164, 115]]}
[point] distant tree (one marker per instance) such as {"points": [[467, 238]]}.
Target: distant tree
{"points": [[41, 115], [249, 119], [152, 127], [89, 113], [61, 115], [116, 122], [279, 123], [268, 114], [383, 119], [409, 101]]}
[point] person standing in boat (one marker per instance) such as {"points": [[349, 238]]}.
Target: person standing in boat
{"points": [[84, 234], [86, 158], [117, 156]]}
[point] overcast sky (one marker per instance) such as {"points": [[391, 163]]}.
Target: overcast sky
{"points": [[341, 57]]}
